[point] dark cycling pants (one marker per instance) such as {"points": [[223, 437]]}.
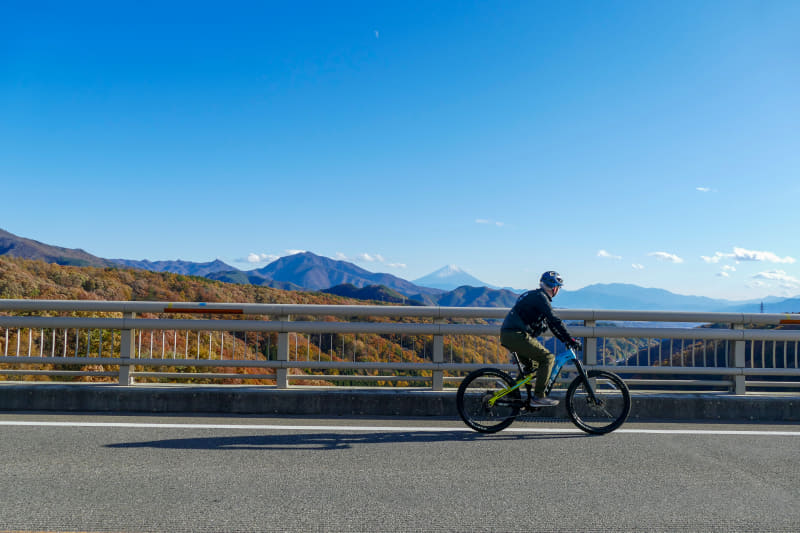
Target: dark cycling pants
{"points": [[530, 350]]}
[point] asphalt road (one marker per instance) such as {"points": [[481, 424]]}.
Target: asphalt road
{"points": [[143, 473]]}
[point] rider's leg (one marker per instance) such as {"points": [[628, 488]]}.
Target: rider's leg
{"points": [[529, 350], [516, 341], [546, 361]]}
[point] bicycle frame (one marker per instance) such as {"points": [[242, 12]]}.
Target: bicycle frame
{"points": [[562, 359], [597, 401]]}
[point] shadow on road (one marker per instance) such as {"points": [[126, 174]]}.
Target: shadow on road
{"points": [[328, 441]]}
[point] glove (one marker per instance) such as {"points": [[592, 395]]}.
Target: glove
{"points": [[575, 345]]}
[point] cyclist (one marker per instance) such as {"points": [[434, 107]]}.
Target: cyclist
{"points": [[531, 315]]}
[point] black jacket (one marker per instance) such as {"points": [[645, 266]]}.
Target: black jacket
{"points": [[533, 313]]}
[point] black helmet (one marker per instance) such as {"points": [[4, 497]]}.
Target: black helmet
{"points": [[551, 279]]}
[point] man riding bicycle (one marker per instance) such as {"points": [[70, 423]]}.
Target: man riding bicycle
{"points": [[531, 315]]}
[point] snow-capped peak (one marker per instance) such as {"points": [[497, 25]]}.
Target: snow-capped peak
{"points": [[448, 278]]}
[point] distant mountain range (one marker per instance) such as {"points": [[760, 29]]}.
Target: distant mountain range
{"points": [[634, 297], [187, 268], [449, 286]]}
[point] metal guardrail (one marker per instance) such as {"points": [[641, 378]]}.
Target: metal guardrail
{"points": [[97, 343]]}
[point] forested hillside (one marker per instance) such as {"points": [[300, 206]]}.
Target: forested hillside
{"points": [[21, 278], [27, 279], [377, 293]]}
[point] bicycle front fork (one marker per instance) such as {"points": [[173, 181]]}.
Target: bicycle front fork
{"points": [[584, 376]]}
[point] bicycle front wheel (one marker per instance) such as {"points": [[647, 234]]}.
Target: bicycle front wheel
{"points": [[473, 400], [607, 411]]}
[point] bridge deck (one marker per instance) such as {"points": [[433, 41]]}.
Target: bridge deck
{"points": [[86, 397]]}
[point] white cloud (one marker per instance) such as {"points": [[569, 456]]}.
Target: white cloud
{"points": [[784, 280], [637, 266], [726, 270], [489, 222], [665, 256], [740, 254], [703, 189], [255, 258], [715, 258], [607, 255], [370, 258]]}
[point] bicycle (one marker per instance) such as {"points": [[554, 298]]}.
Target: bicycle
{"points": [[597, 401]]}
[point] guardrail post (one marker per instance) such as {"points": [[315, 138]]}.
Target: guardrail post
{"points": [[282, 374], [438, 357], [737, 354], [590, 345], [126, 350]]}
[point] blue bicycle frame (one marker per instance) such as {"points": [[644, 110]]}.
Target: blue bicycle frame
{"points": [[562, 360]]}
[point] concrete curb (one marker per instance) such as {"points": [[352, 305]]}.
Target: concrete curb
{"points": [[88, 397]]}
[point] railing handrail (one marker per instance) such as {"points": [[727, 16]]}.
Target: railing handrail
{"points": [[390, 311], [287, 326]]}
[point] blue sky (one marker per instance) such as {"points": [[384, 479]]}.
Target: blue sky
{"points": [[655, 143]]}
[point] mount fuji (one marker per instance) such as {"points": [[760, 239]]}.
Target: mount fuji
{"points": [[448, 278]]}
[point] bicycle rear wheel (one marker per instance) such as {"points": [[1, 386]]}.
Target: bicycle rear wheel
{"points": [[473, 398], [607, 413]]}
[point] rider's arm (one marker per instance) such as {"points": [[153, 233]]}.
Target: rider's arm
{"points": [[555, 324]]}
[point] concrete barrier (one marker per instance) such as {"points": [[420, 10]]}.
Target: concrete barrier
{"points": [[342, 401]]}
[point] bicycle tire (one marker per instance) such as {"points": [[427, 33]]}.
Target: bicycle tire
{"points": [[473, 394], [609, 414]]}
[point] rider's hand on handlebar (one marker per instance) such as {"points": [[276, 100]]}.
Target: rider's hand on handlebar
{"points": [[575, 345]]}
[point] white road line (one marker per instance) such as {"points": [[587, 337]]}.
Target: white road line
{"points": [[709, 432], [343, 428]]}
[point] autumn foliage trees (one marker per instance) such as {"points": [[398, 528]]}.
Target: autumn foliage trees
{"points": [[27, 279]]}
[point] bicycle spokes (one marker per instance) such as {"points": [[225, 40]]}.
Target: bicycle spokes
{"points": [[599, 403], [487, 400]]}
